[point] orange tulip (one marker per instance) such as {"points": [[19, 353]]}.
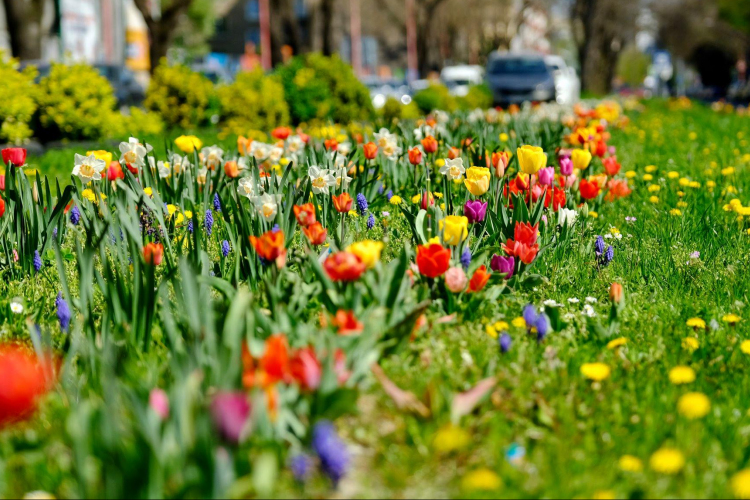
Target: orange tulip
{"points": [[305, 214], [479, 279], [243, 144], [347, 323], [415, 156], [281, 133], [331, 144], [24, 383], [454, 153], [430, 144], [615, 293], [231, 169], [370, 150], [316, 234], [342, 202], [270, 245], [153, 253]]}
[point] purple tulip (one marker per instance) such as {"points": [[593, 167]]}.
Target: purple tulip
{"points": [[503, 264], [566, 166], [230, 412], [475, 211], [547, 176]]}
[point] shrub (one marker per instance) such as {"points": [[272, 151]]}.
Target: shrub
{"points": [[253, 101], [180, 95], [479, 96], [391, 110], [75, 102], [141, 123], [323, 87], [436, 96], [17, 101]]}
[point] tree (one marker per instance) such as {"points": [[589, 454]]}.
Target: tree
{"points": [[24, 21], [601, 28]]}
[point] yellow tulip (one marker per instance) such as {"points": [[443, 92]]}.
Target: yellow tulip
{"points": [[477, 180], [581, 158], [368, 251], [531, 159], [455, 229], [188, 143]]}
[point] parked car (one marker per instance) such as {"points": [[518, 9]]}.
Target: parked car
{"points": [[516, 78], [567, 83], [458, 79]]}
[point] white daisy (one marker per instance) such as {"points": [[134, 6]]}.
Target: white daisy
{"points": [[88, 168], [321, 179], [16, 307], [591, 300], [453, 168], [573, 300], [589, 311]]}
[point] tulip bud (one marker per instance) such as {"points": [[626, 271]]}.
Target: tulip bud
{"points": [[615, 293], [415, 156]]}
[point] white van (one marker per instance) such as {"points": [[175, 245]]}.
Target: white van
{"points": [[458, 79], [567, 83]]}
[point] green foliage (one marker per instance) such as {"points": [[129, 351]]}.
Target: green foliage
{"points": [[632, 66], [180, 95], [142, 123], [17, 101], [323, 87], [436, 96], [253, 101], [479, 96], [391, 110], [77, 103]]}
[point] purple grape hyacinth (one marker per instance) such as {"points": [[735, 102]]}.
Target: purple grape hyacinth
{"points": [[37, 261], [334, 458], [361, 204], [208, 222], [75, 215], [63, 312]]}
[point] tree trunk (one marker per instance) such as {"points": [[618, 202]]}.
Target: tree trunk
{"points": [[161, 31], [24, 20], [326, 23]]}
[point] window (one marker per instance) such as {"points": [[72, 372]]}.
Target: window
{"points": [[252, 35], [252, 10]]}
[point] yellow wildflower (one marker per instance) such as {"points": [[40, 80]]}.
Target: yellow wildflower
{"points": [[694, 405], [696, 323], [629, 463], [618, 342], [667, 461], [481, 480], [595, 371], [681, 375]]}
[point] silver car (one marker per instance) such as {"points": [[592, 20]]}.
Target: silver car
{"points": [[516, 78]]}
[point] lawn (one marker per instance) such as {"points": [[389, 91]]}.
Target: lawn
{"points": [[209, 334]]}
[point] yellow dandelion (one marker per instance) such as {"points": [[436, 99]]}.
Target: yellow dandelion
{"points": [[519, 322], [667, 461], [89, 195], [673, 174], [618, 342], [630, 174], [654, 188], [491, 331], [648, 177], [481, 480], [681, 375], [593, 214], [501, 325], [696, 323], [690, 344], [732, 319], [675, 212], [595, 371], [654, 199], [740, 483], [503, 137], [395, 200], [693, 405], [650, 169], [745, 346], [629, 463], [450, 438], [416, 198], [604, 495]]}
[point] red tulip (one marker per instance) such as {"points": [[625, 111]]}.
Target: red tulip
{"points": [[2, 207], [305, 369], [24, 382], [281, 133], [589, 189], [344, 266], [479, 279], [433, 260], [14, 156], [415, 156], [370, 150]]}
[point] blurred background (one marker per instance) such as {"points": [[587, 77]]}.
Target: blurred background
{"points": [[521, 50]]}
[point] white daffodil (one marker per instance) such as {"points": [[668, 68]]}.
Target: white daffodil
{"points": [[201, 176], [275, 153], [133, 152], [165, 169], [295, 144], [566, 216], [179, 163], [341, 175], [383, 137], [321, 179], [212, 157], [344, 148], [246, 187], [391, 151], [267, 206], [242, 164], [453, 168], [260, 150], [88, 168]]}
